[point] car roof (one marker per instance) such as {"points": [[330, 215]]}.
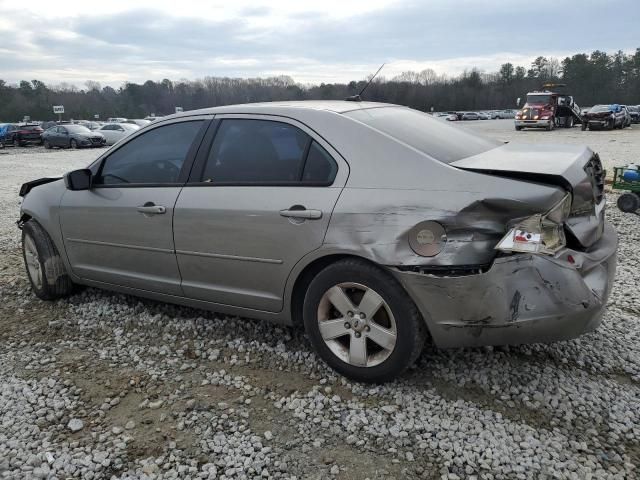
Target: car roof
{"points": [[335, 106]]}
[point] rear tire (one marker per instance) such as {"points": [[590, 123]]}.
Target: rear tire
{"points": [[45, 268], [47, 145], [73, 144], [628, 202], [518, 129], [371, 329]]}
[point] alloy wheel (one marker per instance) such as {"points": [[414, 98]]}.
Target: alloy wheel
{"points": [[33, 261], [357, 324]]}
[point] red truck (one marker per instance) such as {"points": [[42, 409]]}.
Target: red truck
{"points": [[548, 109]]}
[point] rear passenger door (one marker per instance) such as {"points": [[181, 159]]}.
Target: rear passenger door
{"points": [[259, 198]]}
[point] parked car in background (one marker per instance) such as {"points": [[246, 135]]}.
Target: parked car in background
{"points": [[139, 122], [604, 116], [451, 117], [627, 116], [4, 131], [470, 116], [634, 112], [484, 116], [91, 125], [497, 243], [116, 120], [23, 134], [71, 136], [114, 132], [152, 118], [504, 114]]}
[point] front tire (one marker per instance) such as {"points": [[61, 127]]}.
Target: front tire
{"points": [[552, 124], [45, 268], [47, 145], [361, 321]]}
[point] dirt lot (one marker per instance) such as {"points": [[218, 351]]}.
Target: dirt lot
{"points": [[108, 386]]}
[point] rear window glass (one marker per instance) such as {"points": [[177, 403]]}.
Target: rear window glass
{"points": [[445, 143]]}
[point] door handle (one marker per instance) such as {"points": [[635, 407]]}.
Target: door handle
{"points": [[151, 209], [302, 213]]}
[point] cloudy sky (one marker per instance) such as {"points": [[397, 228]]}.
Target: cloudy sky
{"points": [[113, 41]]}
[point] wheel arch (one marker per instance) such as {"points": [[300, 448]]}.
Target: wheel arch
{"points": [[307, 274]]}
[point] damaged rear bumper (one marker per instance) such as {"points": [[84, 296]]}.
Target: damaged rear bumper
{"points": [[522, 298]]}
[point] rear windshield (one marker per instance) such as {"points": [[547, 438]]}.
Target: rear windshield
{"points": [[443, 142]]}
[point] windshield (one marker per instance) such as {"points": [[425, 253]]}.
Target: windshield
{"points": [[77, 129], [440, 141], [539, 99], [600, 109]]}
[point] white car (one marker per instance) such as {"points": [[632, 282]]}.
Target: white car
{"points": [[114, 132], [141, 122]]}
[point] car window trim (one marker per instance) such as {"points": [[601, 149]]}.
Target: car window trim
{"points": [[186, 165], [195, 177]]}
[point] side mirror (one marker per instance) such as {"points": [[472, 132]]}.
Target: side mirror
{"points": [[78, 179]]}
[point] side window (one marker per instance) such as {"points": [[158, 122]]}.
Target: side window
{"points": [[153, 157], [256, 151], [319, 167]]}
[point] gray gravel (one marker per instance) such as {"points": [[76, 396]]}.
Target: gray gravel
{"points": [[109, 386]]}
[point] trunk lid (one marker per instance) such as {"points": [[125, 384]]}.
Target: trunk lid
{"points": [[575, 168]]}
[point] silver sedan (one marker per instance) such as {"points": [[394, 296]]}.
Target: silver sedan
{"points": [[114, 132], [373, 226]]}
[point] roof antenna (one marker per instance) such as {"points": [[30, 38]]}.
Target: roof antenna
{"points": [[358, 98]]}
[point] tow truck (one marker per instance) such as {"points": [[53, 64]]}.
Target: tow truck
{"points": [[548, 108]]}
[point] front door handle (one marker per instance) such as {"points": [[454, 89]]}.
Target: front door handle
{"points": [[150, 208], [301, 213]]}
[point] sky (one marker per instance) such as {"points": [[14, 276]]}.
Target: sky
{"points": [[116, 41]]}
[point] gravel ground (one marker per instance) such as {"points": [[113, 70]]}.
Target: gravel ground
{"points": [[108, 386]]}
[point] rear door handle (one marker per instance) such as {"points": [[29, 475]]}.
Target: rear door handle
{"points": [[302, 213], [151, 209]]}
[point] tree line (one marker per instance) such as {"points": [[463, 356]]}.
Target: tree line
{"points": [[593, 78]]}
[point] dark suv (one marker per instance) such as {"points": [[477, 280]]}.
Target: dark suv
{"points": [[21, 135]]}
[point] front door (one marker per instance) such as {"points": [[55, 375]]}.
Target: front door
{"points": [[120, 231], [258, 201]]}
